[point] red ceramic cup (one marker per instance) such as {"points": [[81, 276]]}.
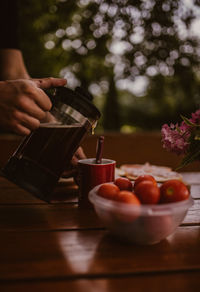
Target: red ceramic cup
{"points": [[91, 174]]}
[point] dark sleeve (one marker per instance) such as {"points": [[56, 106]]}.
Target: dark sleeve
{"points": [[9, 24]]}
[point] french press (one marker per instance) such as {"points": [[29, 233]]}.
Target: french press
{"points": [[41, 157]]}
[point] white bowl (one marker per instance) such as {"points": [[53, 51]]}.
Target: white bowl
{"points": [[145, 224]]}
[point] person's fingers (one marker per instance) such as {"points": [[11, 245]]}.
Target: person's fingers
{"points": [[45, 83], [80, 153], [43, 100], [21, 130], [34, 94], [38, 95], [15, 126], [10, 120], [27, 90], [30, 107], [74, 161], [26, 120], [23, 123]]}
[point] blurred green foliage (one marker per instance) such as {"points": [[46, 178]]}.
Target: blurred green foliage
{"points": [[107, 46]]}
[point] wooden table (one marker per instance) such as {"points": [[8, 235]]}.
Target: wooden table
{"points": [[60, 247]]}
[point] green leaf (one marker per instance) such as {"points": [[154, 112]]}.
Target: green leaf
{"points": [[188, 122], [189, 159]]}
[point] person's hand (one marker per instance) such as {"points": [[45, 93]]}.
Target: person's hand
{"points": [[79, 154], [72, 171], [23, 103]]}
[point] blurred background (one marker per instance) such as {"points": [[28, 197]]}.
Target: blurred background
{"points": [[140, 59]]}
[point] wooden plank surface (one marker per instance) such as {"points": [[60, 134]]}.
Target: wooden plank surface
{"points": [[61, 247], [193, 214], [40, 255], [20, 211], [62, 217], [66, 191], [191, 177], [47, 217], [154, 282]]}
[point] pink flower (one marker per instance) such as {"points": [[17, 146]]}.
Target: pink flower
{"points": [[196, 117], [183, 139], [175, 139], [184, 127]]}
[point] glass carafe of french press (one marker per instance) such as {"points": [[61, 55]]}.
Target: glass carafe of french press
{"points": [[40, 159]]}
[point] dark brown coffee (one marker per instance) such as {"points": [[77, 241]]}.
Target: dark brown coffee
{"points": [[42, 156]]}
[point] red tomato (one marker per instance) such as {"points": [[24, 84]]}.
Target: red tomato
{"points": [[144, 178], [124, 183], [127, 197], [131, 199], [147, 192], [108, 191], [173, 190]]}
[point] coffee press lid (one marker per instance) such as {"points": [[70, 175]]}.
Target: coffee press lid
{"points": [[79, 99]]}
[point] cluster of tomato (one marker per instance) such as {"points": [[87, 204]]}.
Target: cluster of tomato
{"points": [[145, 190]]}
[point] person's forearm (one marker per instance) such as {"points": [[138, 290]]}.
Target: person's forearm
{"points": [[12, 65]]}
